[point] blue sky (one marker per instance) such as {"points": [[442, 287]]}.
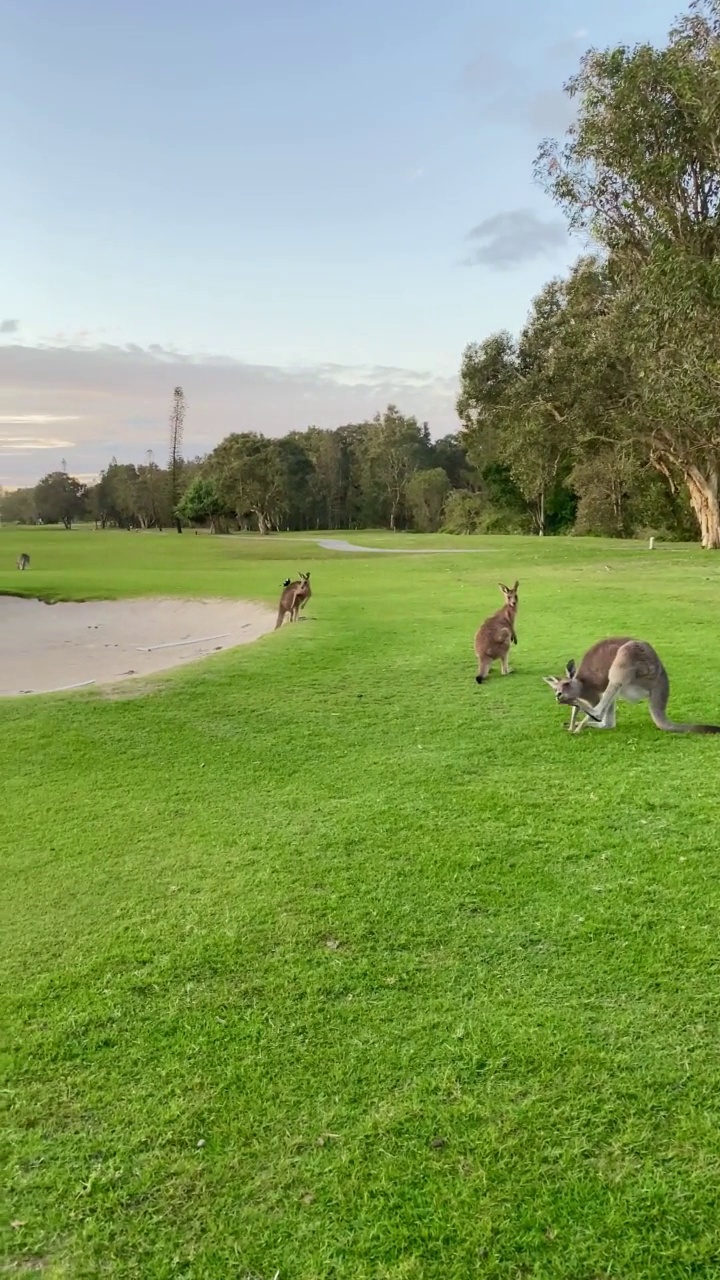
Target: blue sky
{"points": [[269, 203]]}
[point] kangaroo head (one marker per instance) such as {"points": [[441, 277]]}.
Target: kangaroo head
{"points": [[510, 594], [567, 688], [305, 577]]}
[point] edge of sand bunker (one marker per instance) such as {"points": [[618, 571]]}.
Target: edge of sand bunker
{"points": [[54, 648]]}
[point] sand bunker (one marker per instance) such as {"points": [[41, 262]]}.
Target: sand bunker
{"points": [[48, 647]]}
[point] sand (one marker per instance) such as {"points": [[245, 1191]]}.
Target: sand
{"points": [[48, 647]]}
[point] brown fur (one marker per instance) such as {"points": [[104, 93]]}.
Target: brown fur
{"points": [[23, 561], [618, 668], [294, 597], [496, 634]]}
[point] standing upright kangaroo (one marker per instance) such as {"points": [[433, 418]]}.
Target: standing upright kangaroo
{"points": [[23, 561], [304, 592], [618, 668], [294, 597], [496, 634]]}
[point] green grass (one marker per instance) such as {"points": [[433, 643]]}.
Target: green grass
{"points": [[320, 960]]}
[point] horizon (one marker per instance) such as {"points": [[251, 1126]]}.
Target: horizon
{"points": [[239, 215]]}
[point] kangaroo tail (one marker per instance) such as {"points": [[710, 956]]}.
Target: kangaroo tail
{"points": [[658, 703], [661, 721], [670, 726], [657, 712], [280, 617]]}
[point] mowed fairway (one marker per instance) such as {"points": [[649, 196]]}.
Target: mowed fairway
{"points": [[322, 962]]}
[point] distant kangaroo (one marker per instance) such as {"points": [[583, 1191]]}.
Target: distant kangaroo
{"points": [[23, 561], [496, 634], [618, 668], [294, 597]]}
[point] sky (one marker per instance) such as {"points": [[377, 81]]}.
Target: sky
{"points": [[298, 210]]}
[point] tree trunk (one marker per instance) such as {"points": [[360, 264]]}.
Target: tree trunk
{"points": [[703, 491], [262, 523]]}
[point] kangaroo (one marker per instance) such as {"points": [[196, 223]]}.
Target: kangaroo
{"points": [[23, 561], [295, 596], [619, 667], [304, 593], [496, 634]]}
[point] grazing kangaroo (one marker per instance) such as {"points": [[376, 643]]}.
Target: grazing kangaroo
{"points": [[618, 668], [23, 561], [496, 634], [294, 597]]}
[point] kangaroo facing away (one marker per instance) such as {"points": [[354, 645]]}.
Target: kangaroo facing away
{"points": [[618, 668], [496, 634], [23, 561], [295, 596]]}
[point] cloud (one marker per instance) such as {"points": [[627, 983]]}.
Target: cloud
{"points": [[571, 46], [549, 112], [11, 444], [9, 326], [515, 236], [110, 400], [490, 72], [37, 419], [509, 94]]}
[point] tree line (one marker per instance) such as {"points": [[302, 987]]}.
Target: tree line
{"points": [[602, 416], [384, 473]]}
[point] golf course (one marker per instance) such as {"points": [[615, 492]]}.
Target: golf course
{"points": [[321, 962]]}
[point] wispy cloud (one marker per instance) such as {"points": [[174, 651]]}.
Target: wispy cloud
{"points": [[562, 50], [510, 238], [510, 94], [115, 400], [10, 444], [36, 419], [9, 326]]}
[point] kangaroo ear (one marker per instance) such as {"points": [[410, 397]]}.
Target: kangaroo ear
{"points": [[517, 584], [552, 681], [571, 668], [505, 590]]}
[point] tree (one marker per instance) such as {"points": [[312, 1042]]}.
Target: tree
{"points": [[248, 476], [463, 512], [177, 429], [396, 448], [328, 483], [60, 499], [513, 404], [17, 506], [449, 453], [426, 495], [202, 503], [640, 173], [153, 504]]}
